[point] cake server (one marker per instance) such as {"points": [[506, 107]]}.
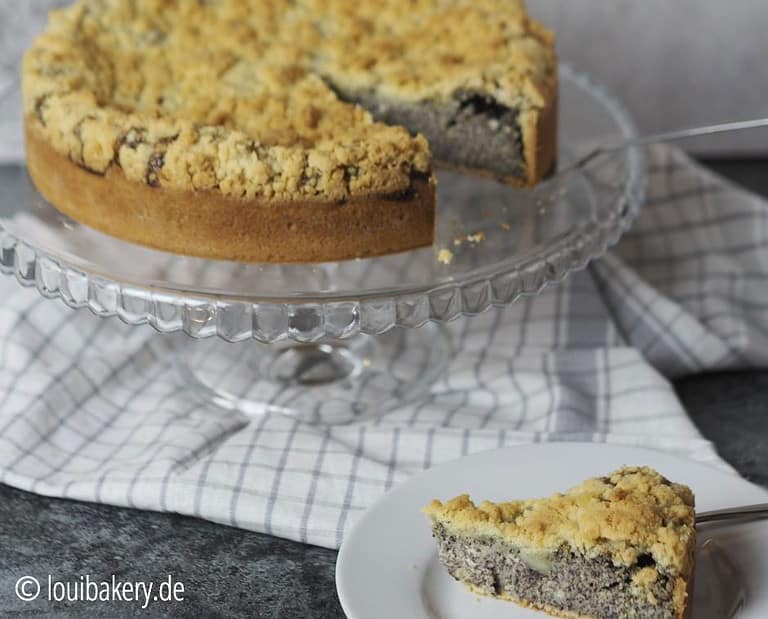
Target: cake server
{"points": [[744, 513], [667, 136]]}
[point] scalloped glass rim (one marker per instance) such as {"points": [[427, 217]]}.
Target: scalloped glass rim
{"points": [[470, 286]]}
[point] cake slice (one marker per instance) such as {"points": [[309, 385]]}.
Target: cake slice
{"points": [[615, 546]]}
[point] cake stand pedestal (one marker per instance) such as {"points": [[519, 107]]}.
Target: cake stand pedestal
{"points": [[336, 342], [329, 381]]}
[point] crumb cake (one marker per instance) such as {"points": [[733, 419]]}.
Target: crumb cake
{"points": [[613, 547], [267, 130]]}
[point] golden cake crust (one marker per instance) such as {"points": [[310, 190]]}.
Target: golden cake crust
{"points": [[250, 114], [550, 610], [683, 610], [633, 511], [211, 225]]}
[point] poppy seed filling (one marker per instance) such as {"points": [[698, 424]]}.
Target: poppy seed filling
{"points": [[588, 586], [471, 130]]}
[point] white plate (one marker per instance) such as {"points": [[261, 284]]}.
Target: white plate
{"points": [[387, 566]]}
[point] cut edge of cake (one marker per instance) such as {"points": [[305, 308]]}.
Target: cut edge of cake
{"points": [[474, 133]]}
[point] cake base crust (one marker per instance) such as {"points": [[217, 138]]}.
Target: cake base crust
{"points": [[539, 131], [565, 614], [210, 225], [550, 610]]}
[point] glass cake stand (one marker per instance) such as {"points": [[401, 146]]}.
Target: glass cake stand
{"points": [[334, 342]]}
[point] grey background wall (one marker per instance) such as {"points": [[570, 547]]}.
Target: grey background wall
{"points": [[19, 21], [674, 62]]}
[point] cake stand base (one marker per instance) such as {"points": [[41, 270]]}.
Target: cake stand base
{"points": [[326, 382]]}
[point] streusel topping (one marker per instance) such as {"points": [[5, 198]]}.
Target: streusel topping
{"points": [[238, 95], [629, 513]]}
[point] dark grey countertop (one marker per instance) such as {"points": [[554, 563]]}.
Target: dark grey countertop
{"points": [[228, 572]]}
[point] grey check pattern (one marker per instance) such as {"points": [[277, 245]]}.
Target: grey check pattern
{"points": [[90, 410]]}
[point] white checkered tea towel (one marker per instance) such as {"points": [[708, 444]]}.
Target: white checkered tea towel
{"points": [[89, 411]]}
